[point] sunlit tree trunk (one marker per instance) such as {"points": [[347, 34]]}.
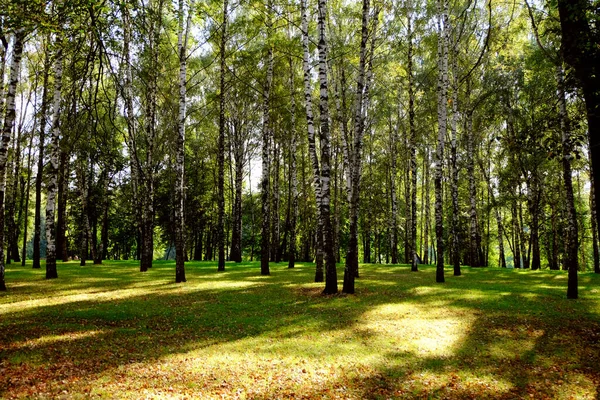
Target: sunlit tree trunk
{"points": [[182, 38], [7, 127], [324, 139], [361, 106], [442, 90], [319, 272], [54, 151], [455, 253]]}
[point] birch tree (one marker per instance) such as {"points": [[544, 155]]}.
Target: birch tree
{"points": [[54, 153], [267, 137], [7, 128], [182, 40], [442, 94]]}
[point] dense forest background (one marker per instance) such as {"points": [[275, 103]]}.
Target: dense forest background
{"points": [[281, 130]]}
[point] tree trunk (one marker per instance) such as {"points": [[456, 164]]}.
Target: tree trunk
{"points": [[27, 192], [182, 39], [51, 271], [319, 275], [427, 210], [412, 148], [293, 174], [324, 139], [474, 235], [516, 237], [360, 108], [221, 146], [572, 236], [594, 224], [7, 127], [442, 90], [275, 234], [40, 165], [580, 48], [455, 253], [267, 134]]}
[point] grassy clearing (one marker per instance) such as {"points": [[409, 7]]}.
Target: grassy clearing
{"points": [[110, 331]]}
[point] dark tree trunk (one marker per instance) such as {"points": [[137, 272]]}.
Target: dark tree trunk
{"points": [[581, 50], [40, 165]]}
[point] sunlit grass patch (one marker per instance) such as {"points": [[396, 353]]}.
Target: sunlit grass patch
{"points": [[113, 332]]}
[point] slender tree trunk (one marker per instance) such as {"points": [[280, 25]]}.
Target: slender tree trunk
{"points": [[182, 39], [475, 238], [442, 90], [516, 236], [238, 155], [324, 139], [360, 109], [221, 146], [40, 165], [319, 274], [54, 151], [61, 228], [293, 173], [27, 192], [427, 210], [594, 224], [7, 127], [102, 253], [412, 143], [267, 135], [393, 196], [455, 253], [572, 236], [275, 233]]}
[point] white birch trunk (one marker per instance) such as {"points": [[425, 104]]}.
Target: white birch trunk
{"points": [[54, 152], [453, 155], [7, 128], [319, 275], [442, 90], [182, 38]]}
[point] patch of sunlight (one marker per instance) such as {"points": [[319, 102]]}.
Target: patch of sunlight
{"points": [[119, 294], [52, 339], [422, 330]]}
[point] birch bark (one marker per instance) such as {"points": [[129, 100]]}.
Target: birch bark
{"points": [[182, 39], [312, 151], [7, 127], [267, 135], [442, 90], [54, 150]]}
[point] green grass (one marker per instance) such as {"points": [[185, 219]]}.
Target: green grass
{"points": [[110, 331]]}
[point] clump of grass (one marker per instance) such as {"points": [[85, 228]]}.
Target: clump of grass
{"points": [[113, 332]]}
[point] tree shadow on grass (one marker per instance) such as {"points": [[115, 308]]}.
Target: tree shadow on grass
{"points": [[501, 351]]}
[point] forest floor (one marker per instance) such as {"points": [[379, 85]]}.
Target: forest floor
{"points": [[112, 332]]}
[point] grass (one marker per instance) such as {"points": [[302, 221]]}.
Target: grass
{"points": [[112, 332]]}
